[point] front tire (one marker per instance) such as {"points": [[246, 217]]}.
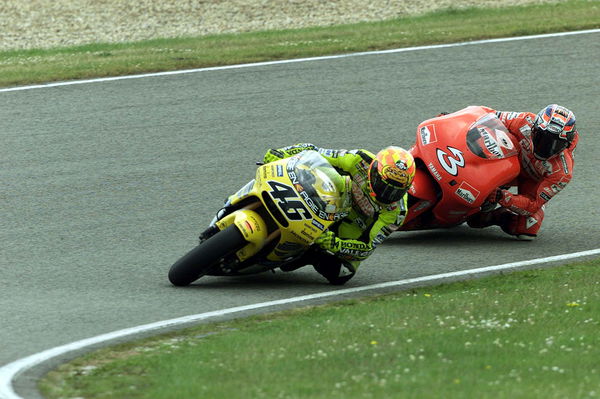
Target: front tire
{"points": [[200, 260]]}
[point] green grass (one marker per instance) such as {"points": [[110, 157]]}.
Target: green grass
{"points": [[99, 60], [530, 334]]}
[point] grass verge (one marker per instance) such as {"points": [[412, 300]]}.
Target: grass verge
{"points": [[99, 60], [530, 334]]}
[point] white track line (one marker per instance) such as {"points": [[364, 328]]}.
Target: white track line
{"points": [[399, 50], [12, 370]]}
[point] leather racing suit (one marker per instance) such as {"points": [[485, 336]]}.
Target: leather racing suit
{"points": [[521, 214], [369, 222]]}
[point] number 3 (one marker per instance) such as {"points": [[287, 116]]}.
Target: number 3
{"points": [[451, 164]]}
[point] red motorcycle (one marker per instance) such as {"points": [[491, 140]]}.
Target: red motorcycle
{"points": [[461, 158]]}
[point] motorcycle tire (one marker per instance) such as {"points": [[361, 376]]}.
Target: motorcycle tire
{"points": [[201, 259]]}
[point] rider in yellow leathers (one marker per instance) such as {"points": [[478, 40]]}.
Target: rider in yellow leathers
{"points": [[379, 204]]}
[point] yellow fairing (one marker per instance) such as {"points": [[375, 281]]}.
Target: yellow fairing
{"points": [[298, 194], [298, 219], [252, 227]]}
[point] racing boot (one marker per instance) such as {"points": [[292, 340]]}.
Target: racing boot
{"points": [[524, 228], [335, 270]]}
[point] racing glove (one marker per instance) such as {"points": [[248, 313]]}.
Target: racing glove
{"points": [[500, 197], [328, 242], [353, 250], [273, 155]]}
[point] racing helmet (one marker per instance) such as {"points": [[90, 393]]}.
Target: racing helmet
{"points": [[390, 174], [553, 130]]}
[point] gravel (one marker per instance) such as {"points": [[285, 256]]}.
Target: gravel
{"points": [[26, 24]]}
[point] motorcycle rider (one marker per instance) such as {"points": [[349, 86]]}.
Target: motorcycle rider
{"points": [[379, 203], [546, 142]]}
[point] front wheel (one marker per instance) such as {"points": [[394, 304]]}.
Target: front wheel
{"points": [[200, 260]]}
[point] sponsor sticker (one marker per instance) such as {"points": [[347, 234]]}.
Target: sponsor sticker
{"points": [[399, 175], [525, 130], [504, 140], [361, 201], [467, 192], [562, 184], [530, 222], [314, 207], [491, 144], [427, 134], [379, 238], [434, 171], [318, 224], [422, 205], [545, 196], [329, 153], [547, 166], [564, 164], [457, 213]]}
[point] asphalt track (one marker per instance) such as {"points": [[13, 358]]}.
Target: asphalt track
{"points": [[105, 184]]}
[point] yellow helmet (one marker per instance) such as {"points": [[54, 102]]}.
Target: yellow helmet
{"points": [[390, 174]]}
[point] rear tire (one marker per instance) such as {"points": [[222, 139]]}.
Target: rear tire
{"points": [[201, 259]]}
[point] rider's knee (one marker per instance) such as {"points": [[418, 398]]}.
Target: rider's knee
{"points": [[524, 228]]}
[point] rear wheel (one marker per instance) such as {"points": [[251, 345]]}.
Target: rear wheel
{"points": [[201, 259]]}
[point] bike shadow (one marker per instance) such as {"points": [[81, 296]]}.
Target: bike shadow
{"points": [[305, 277], [455, 239], [451, 237]]}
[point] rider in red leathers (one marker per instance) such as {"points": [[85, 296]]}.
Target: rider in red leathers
{"points": [[546, 142]]}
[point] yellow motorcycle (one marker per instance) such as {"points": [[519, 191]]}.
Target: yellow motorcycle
{"points": [[271, 221]]}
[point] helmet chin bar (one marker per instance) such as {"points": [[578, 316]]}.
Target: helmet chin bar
{"points": [[553, 131], [546, 144]]}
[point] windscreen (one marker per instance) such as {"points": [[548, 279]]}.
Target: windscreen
{"points": [[489, 139], [321, 187]]}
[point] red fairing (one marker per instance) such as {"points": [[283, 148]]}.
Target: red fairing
{"points": [[461, 158], [425, 192]]}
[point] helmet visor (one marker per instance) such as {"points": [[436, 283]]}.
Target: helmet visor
{"points": [[547, 144], [385, 192]]}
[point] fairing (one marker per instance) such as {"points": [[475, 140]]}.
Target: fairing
{"points": [[466, 155]]}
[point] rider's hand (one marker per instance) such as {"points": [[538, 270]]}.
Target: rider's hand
{"points": [[501, 197], [328, 241], [273, 155]]}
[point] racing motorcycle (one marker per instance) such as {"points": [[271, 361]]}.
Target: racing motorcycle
{"points": [[270, 222], [461, 158]]}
